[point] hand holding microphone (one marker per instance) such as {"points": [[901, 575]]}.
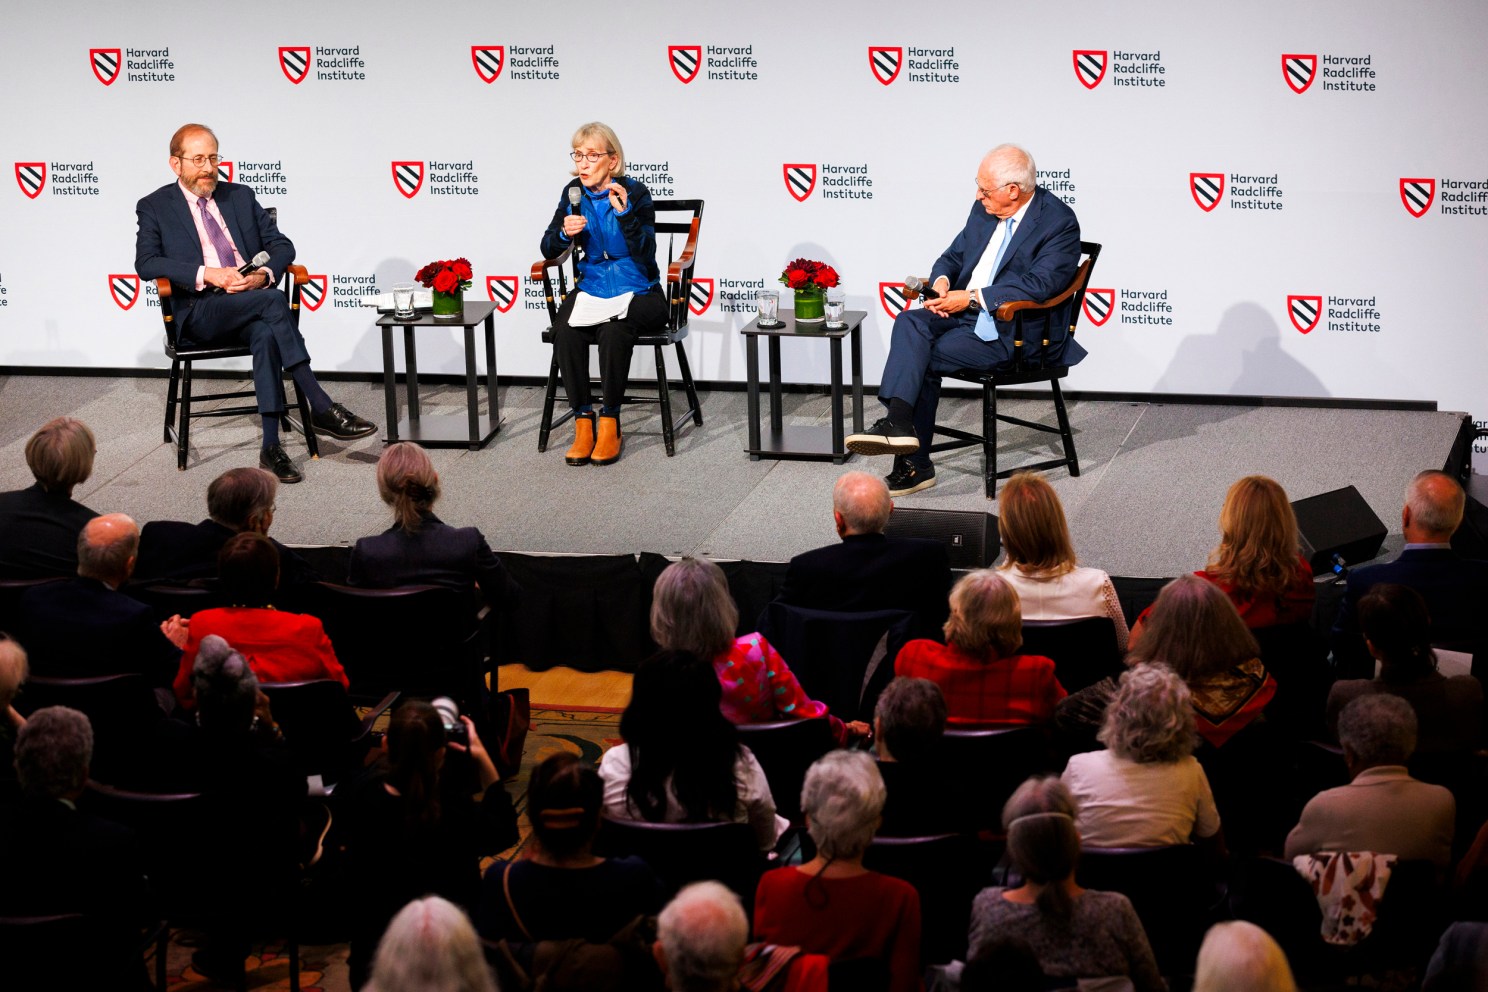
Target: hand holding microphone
{"points": [[574, 222], [917, 285], [236, 280]]}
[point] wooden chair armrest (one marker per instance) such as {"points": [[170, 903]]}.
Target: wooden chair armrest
{"points": [[539, 267], [300, 274], [1006, 311], [683, 262], [163, 287]]}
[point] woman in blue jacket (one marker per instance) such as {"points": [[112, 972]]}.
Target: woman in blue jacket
{"points": [[612, 229]]}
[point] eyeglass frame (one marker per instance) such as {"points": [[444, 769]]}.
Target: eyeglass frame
{"points": [[983, 194], [590, 157], [199, 160]]}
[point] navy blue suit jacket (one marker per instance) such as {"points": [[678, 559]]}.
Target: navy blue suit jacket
{"points": [[1038, 265], [436, 554], [78, 628], [867, 572], [167, 243], [39, 533]]}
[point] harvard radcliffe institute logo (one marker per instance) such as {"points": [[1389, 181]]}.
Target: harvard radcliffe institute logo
{"points": [[489, 60], [800, 179], [313, 292], [1098, 305], [1417, 195], [31, 176], [224, 171], [124, 288], [1090, 66], [503, 291], [1298, 71], [1207, 189], [685, 61], [885, 62], [408, 177], [294, 62], [893, 297], [105, 62], [1305, 311], [700, 296]]}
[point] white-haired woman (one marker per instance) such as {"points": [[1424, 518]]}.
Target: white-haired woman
{"points": [[1146, 789], [1238, 956], [430, 946], [832, 905]]}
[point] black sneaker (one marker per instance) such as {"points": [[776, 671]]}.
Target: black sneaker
{"points": [[884, 438], [906, 479]]}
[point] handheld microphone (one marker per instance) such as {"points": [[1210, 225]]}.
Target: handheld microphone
{"points": [[254, 264], [917, 285], [574, 199]]}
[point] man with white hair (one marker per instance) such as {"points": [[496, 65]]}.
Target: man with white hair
{"points": [[700, 939]]}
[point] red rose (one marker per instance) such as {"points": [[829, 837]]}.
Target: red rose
{"points": [[826, 277], [462, 269], [445, 282], [796, 278]]}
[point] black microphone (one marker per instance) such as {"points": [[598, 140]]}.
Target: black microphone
{"points": [[917, 285], [574, 199], [254, 264]]}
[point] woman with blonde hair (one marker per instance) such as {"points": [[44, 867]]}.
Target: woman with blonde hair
{"points": [[984, 678], [1257, 562], [1040, 562]]}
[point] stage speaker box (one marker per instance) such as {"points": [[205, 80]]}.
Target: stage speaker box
{"points": [[1341, 523], [970, 536]]}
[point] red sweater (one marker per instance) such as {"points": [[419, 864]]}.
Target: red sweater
{"points": [[279, 647], [1020, 688]]}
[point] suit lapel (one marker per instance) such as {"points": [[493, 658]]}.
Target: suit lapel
{"points": [[180, 212], [983, 236], [229, 207], [1029, 220]]}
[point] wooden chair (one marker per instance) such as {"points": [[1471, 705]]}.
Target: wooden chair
{"points": [[841, 659], [681, 853], [679, 274], [321, 726], [1083, 650], [947, 870], [1022, 370], [122, 710], [785, 749], [995, 761], [1174, 890], [11, 591]]}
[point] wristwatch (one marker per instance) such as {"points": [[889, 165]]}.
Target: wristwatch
{"points": [[973, 305]]}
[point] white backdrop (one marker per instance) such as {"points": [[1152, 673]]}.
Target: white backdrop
{"points": [[1388, 93]]}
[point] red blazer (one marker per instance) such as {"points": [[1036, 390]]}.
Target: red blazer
{"points": [[279, 647]]}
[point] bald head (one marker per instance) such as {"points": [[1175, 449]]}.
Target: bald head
{"points": [[107, 547], [861, 504], [1433, 508]]}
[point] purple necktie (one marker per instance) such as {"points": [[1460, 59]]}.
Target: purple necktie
{"points": [[226, 258]]}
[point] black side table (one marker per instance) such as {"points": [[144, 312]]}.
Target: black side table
{"points": [[804, 442], [442, 430]]}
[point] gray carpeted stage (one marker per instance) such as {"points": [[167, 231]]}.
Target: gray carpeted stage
{"points": [[1146, 502]]}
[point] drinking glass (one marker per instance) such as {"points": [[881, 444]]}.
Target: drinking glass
{"points": [[767, 301], [836, 300], [403, 300]]}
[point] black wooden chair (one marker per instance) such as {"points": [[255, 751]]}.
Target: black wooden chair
{"points": [[1063, 313], [679, 274], [1084, 650], [1175, 890], [841, 659], [785, 749], [681, 853], [169, 599], [321, 726], [994, 762], [11, 591], [122, 710], [947, 870]]}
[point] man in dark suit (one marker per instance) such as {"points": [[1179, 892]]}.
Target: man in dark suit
{"points": [[199, 233], [1455, 588], [39, 526], [1020, 242]]}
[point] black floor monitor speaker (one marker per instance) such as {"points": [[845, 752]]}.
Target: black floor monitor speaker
{"points": [[1341, 523], [970, 536]]}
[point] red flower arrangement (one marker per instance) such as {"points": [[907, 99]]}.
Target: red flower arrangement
{"points": [[449, 276], [804, 273]]}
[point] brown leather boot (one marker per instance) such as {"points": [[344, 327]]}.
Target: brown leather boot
{"points": [[607, 448], [583, 445]]}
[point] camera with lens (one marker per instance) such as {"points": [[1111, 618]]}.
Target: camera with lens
{"points": [[454, 727]]}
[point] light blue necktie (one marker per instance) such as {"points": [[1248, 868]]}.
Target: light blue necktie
{"points": [[986, 327]]}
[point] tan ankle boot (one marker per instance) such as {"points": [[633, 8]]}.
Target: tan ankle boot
{"points": [[607, 447], [583, 445]]}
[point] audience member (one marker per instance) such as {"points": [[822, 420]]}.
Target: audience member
{"points": [[1382, 809], [1076, 933], [39, 525], [924, 795], [559, 889], [279, 646], [13, 673], [832, 905], [692, 611], [1238, 956], [1257, 562], [1039, 558], [430, 946], [700, 939], [984, 678], [1146, 790], [1454, 588], [85, 626], [1460, 962], [681, 760]]}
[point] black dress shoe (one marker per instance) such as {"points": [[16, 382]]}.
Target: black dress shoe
{"points": [[275, 459], [340, 423]]}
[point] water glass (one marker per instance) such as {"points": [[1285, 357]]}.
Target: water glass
{"points": [[767, 302], [836, 300], [403, 300]]}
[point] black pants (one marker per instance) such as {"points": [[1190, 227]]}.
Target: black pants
{"points": [[616, 340]]}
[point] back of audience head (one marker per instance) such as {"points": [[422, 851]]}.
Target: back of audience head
{"points": [[861, 504], [1434, 503], [225, 688], [243, 499], [430, 946], [986, 615], [843, 800], [407, 482], [1397, 627], [692, 609], [564, 798], [248, 569], [52, 753], [60, 455], [1238, 956], [1195, 630], [701, 935], [1032, 526], [1258, 543], [909, 720], [1377, 729], [107, 547], [415, 754], [1151, 717], [13, 670], [1042, 843]]}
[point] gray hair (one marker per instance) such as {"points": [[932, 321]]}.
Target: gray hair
{"points": [[225, 688], [104, 547], [52, 752], [13, 669], [692, 609], [430, 946], [1378, 729], [843, 799], [1238, 956], [1015, 165], [702, 933], [1436, 502], [863, 501], [240, 496], [1151, 717], [911, 715]]}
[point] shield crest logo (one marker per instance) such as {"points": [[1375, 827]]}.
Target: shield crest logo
{"points": [[503, 291], [1417, 195], [489, 60], [800, 179], [1305, 311], [124, 288], [700, 296], [1098, 305], [31, 176], [294, 62], [893, 298], [1090, 66], [1298, 71], [313, 292], [105, 62], [408, 177], [685, 61], [1207, 189], [885, 62], [224, 171]]}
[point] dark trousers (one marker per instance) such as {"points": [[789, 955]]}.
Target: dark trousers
{"points": [[616, 340], [261, 319]]}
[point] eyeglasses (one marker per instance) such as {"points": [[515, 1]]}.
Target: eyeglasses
{"points": [[590, 157], [200, 160], [983, 193]]}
